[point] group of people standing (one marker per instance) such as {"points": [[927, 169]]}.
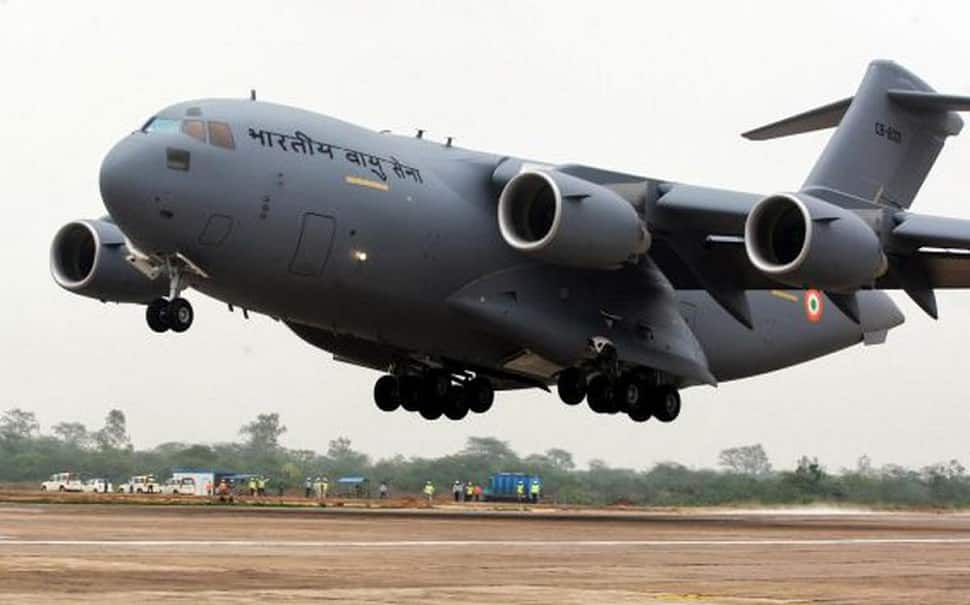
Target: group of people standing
{"points": [[317, 487], [257, 485], [467, 491]]}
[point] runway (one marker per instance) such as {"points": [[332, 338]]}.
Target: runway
{"points": [[120, 553]]}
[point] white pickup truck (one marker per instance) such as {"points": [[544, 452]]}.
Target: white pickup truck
{"points": [[140, 484], [97, 486], [62, 482], [184, 486]]}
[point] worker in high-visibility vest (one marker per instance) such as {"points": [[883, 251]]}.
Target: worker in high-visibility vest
{"points": [[520, 490], [429, 490], [469, 491], [252, 486], [324, 487], [534, 491]]}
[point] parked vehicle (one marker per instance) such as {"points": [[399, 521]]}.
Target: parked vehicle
{"points": [[179, 486], [62, 482], [140, 484], [504, 486], [97, 485]]}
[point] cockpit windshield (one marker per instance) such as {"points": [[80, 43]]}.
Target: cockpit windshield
{"points": [[161, 125], [219, 133]]}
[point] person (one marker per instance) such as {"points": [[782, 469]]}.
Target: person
{"points": [[308, 487], [383, 490], [261, 486], [429, 490], [478, 493], [208, 488], [534, 491], [456, 490], [224, 491], [252, 486], [469, 491], [520, 490], [324, 487]]}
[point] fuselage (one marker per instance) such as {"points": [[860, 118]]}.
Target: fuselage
{"points": [[370, 244]]}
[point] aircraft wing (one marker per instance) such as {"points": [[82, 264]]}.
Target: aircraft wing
{"points": [[699, 244]]}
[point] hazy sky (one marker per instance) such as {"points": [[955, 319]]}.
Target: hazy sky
{"points": [[659, 89]]}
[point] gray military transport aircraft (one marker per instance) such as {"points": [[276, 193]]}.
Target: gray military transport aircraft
{"points": [[458, 273]]}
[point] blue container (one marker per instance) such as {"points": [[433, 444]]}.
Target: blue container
{"points": [[501, 486]]}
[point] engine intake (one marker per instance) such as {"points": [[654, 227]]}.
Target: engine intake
{"points": [[569, 221], [805, 242], [89, 258]]}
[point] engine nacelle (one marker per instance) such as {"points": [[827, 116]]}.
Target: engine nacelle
{"points": [[569, 221], [804, 242], [88, 257]]}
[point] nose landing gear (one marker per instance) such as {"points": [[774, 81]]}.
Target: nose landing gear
{"points": [[174, 313]]}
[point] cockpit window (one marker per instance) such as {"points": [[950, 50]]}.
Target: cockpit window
{"points": [[161, 125], [220, 135], [194, 128]]}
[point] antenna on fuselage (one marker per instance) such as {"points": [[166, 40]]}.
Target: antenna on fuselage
{"points": [[252, 94]]}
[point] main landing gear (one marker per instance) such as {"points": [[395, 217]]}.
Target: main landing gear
{"points": [[631, 393], [174, 313], [434, 394]]}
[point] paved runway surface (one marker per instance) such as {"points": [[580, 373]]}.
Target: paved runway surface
{"points": [[118, 553]]}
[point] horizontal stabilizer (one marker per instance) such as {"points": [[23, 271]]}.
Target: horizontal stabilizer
{"points": [[929, 101], [820, 118]]}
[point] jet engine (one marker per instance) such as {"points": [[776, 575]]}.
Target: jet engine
{"points": [[803, 242], [88, 257], [569, 221]]}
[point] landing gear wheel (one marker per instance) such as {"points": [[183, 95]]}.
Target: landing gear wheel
{"points": [[600, 394], [572, 386], [455, 407], [156, 314], [431, 409], [437, 384], [630, 393], [387, 393], [180, 315], [640, 414], [479, 395], [410, 390], [666, 405]]}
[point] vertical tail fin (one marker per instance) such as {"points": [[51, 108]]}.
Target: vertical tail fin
{"points": [[888, 136]]}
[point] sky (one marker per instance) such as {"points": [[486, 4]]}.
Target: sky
{"points": [[659, 89]]}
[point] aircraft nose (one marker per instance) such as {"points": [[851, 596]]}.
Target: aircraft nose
{"points": [[123, 182], [115, 178]]}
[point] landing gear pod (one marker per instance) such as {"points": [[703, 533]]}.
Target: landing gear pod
{"points": [[568, 221]]}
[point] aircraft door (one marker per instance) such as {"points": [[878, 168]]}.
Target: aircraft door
{"points": [[313, 247]]}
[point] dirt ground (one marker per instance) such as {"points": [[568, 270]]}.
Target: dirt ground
{"points": [[117, 553]]}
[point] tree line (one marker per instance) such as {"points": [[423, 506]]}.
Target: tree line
{"points": [[745, 474]]}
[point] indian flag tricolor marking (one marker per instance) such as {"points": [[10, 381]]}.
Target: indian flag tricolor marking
{"points": [[813, 305]]}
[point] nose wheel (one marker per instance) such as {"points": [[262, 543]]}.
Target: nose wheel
{"points": [[175, 315]]}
